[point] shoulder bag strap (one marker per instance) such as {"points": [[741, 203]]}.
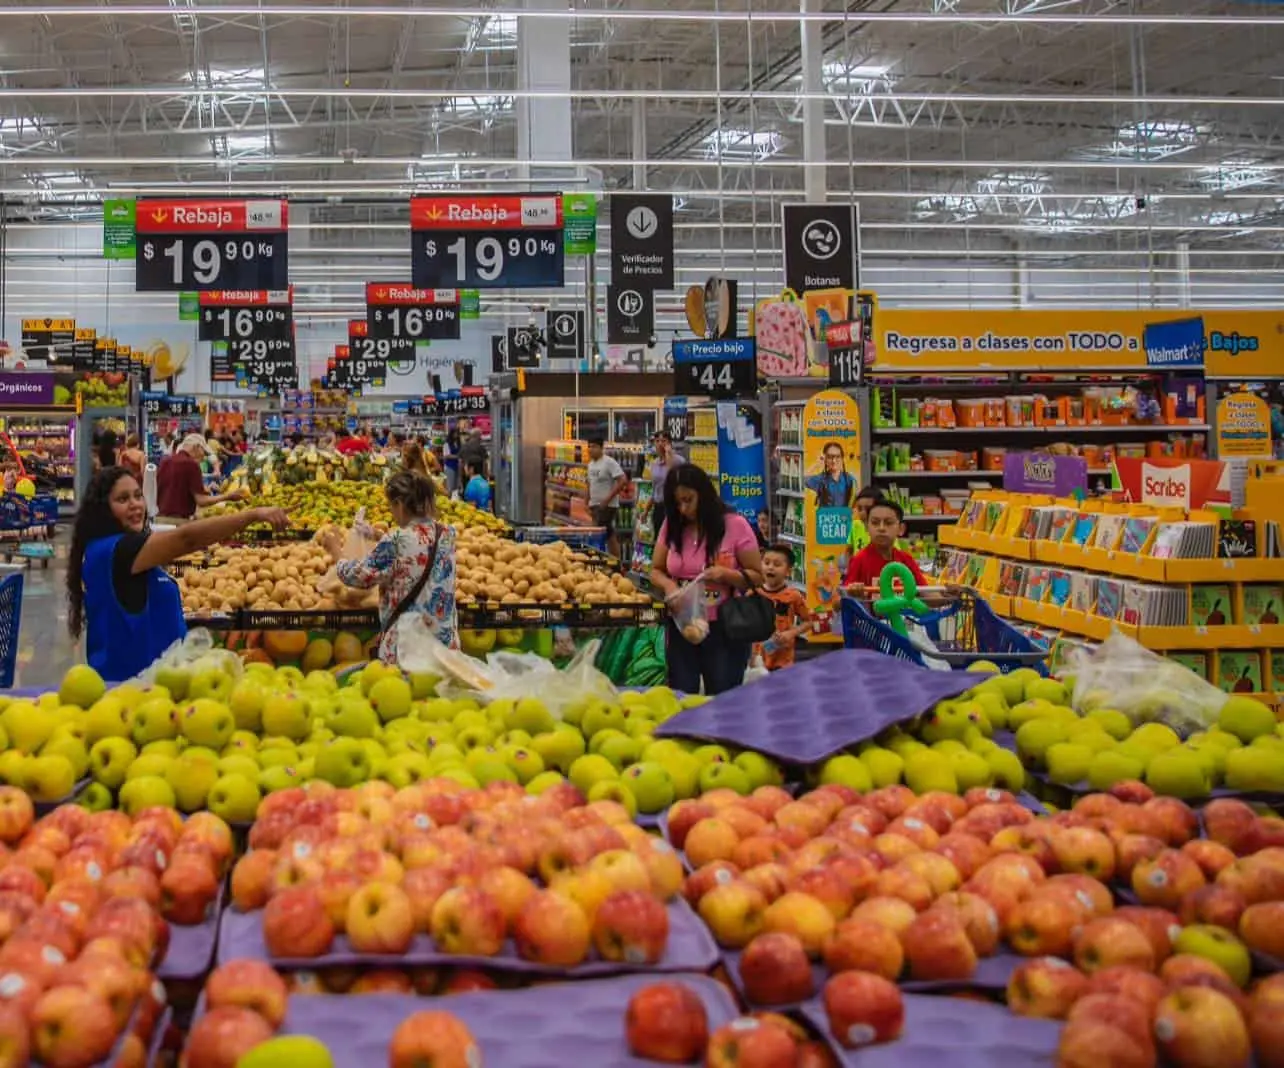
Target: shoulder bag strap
{"points": [[413, 593]]}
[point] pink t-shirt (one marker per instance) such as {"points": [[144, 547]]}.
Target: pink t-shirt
{"points": [[689, 559]]}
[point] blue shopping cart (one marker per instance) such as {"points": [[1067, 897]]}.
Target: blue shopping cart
{"points": [[964, 631], [27, 526], [10, 616], [575, 537]]}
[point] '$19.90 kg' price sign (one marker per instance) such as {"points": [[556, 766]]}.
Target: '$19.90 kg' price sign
{"points": [[487, 242], [186, 245]]}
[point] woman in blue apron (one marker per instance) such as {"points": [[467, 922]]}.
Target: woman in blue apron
{"points": [[117, 591]]}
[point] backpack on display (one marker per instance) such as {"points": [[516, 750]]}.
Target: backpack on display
{"points": [[784, 342]]}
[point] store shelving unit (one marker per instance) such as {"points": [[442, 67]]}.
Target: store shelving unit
{"points": [[54, 434], [566, 484]]}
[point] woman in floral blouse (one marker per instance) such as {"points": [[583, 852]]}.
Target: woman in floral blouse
{"points": [[396, 564]]}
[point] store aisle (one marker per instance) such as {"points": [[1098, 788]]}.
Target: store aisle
{"points": [[45, 651]]}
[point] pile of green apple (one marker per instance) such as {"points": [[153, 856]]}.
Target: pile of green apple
{"points": [[219, 739]]}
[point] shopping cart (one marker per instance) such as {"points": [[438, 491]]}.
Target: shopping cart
{"points": [[27, 526], [10, 616], [963, 631], [575, 537]]}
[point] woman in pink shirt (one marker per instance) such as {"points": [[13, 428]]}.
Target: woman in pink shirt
{"points": [[702, 538]]}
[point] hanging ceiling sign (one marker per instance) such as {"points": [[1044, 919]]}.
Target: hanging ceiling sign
{"points": [[368, 356], [564, 334], [642, 240], [82, 350], [468, 400], [211, 244], [48, 339], [487, 242], [400, 310], [246, 314], [630, 315], [820, 247], [716, 368], [499, 354]]}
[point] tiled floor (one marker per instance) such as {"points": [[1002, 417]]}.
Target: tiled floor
{"points": [[45, 651]]}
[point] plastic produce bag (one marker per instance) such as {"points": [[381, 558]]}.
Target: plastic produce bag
{"points": [[1144, 686], [196, 652], [756, 670], [357, 544], [688, 611]]}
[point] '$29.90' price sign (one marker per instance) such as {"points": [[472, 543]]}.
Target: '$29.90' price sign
{"points": [[186, 245], [487, 242]]}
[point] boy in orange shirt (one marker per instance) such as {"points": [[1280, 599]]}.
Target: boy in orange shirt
{"points": [[792, 613], [886, 523]]}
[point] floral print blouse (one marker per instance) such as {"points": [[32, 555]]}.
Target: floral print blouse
{"points": [[394, 565]]}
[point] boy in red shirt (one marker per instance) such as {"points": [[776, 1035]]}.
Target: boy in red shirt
{"points": [[885, 523], [792, 612]]}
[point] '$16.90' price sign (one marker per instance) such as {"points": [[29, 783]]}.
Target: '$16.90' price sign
{"points": [[186, 245], [487, 242]]}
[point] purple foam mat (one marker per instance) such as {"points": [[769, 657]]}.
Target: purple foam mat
{"points": [[691, 949], [1265, 964], [962, 1033], [820, 706], [529, 1028], [992, 974], [191, 948], [158, 1037]]}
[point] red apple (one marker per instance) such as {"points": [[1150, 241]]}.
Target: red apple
{"points": [[775, 970], [1110, 942], [1131, 792], [248, 984], [1043, 926], [72, 1027], [1229, 822], [1128, 983], [937, 947], [858, 945], [1083, 851], [434, 1038], [1262, 928], [1177, 819], [666, 1022], [863, 1008], [631, 926], [1211, 857], [978, 917], [1125, 1014], [119, 985], [380, 920], [1266, 1021], [252, 879], [1221, 906], [1096, 1044], [17, 813], [685, 815], [1132, 849], [188, 889], [1158, 925], [15, 1043], [748, 1042], [735, 912], [295, 924], [1046, 987], [553, 929], [1082, 891], [890, 912], [1164, 880], [704, 879], [1200, 1028]]}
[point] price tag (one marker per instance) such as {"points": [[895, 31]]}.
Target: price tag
{"points": [[400, 310], [251, 314], [471, 400], [487, 242], [185, 245], [171, 405], [846, 345], [725, 367], [675, 418]]}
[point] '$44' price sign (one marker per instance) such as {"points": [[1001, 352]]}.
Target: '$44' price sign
{"points": [[487, 242], [186, 245]]}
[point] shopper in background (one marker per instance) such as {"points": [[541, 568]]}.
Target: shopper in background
{"points": [[352, 443], [702, 538], [412, 458], [666, 459], [472, 452], [180, 486], [792, 613], [105, 450], [606, 481], [132, 457], [477, 489], [886, 523], [412, 566], [118, 594], [865, 498], [762, 529], [451, 458]]}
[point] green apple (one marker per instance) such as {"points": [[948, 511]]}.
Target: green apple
{"points": [[212, 684], [440, 710], [543, 781], [444, 755], [96, 798], [929, 770], [526, 763], [238, 764], [279, 777], [620, 750], [1218, 945], [286, 715], [246, 704], [147, 791], [885, 767], [288, 1051], [559, 748], [661, 748], [1112, 721], [353, 719], [205, 721], [175, 680], [717, 775], [1014, 683], [277, 755], [406, 769], [11, 767], [477, 737], [600, 717], [662, 702], [27, 727], [169, 747], [515, 739], [1254, 768], [234, 798], [64, 743], [650, 786], [1111, 766], [391, 698], [1068, 762], [81, 686], [530, 715], [603, 736], [154, 720], [590, 769], [109, 760], [1246, 718], [1046, 690], [343, 762], [617, 791], [992, 704], [946, 720], [760, 770], [971, 770], [1036, 737], [423, 684], [242, 742], [375, 753], [372, 673], [487, 767], [846, 770], [48, 778], [1155, 736], [148, 764], [1007, 769], [191, 777], [1179, 772]]}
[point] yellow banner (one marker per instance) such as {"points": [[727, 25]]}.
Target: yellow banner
{"points": [[830, 482], [84, 333], [54, 325], [1243, 343], [1243, 427]]}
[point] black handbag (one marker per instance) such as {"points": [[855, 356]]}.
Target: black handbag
{"points": [[748, 617]]}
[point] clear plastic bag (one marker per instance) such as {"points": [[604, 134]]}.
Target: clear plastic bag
{"points": [[756, 670], [689, 613], [193, 653], [357, 544], [1146, 687]]}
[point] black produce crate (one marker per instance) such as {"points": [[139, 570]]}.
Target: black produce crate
{"points": [[285, 619], [252, 536], [213, 622], [476, 617]]}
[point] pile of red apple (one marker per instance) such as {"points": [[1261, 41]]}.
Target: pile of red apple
{"points": [[86, 900], [470, 868], [900, 886]]}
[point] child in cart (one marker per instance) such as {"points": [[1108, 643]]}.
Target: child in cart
{"points": [[792, 613], [885, 522]]}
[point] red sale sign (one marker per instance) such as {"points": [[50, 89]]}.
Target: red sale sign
{"points": [[212, 216], [1173, 483]]}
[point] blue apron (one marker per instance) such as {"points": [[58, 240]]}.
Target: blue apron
{"points": [[121, 644]]}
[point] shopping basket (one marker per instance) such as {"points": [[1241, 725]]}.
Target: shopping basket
{"points": [[10, 616], [963, 631]]}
